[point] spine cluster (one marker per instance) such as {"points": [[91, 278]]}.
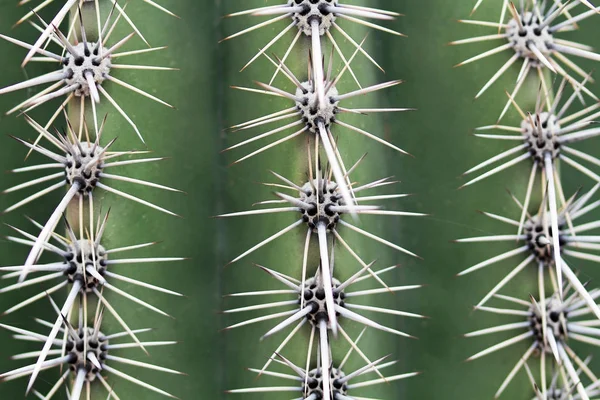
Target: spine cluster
{"points": [[551, 230], [82, 272], [326, 206]]}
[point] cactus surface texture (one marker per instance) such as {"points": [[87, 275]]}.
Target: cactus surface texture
{"points": [[300, 199]]}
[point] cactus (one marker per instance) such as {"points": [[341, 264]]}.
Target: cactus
{"points": [[321, 129]]}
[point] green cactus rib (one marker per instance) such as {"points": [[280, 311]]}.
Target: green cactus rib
{"points": [[289, 160]]}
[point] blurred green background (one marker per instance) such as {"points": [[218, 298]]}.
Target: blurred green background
{"points": [[192, 135]]}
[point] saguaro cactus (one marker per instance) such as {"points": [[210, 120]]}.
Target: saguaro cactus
{"points": [[546, 134], [297, 250]]}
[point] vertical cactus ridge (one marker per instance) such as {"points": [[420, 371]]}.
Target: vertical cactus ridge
{"points": [[83, 153], [322, 197], [546, 134]]}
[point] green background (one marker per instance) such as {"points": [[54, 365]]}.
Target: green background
{"points": [[192, 135]]}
